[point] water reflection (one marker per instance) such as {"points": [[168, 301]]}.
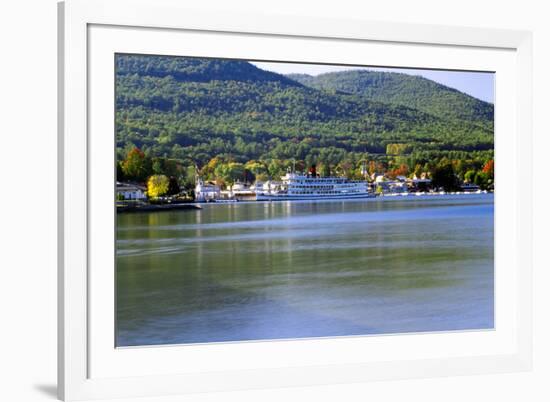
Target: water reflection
{"points": [[301, 269]]}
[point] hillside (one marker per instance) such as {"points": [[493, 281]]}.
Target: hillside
{"points": [[407, 90], [193, 69], [197, 109]]}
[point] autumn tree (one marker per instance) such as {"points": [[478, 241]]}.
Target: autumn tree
{"points": [[157, 185], [136, 166], [372, 167], [397, 149], [489, 168], [208, 170], [401, 170]]}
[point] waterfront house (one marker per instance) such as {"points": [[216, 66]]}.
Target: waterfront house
{"points": [[130, 191], [205, 192], [242, 191]]}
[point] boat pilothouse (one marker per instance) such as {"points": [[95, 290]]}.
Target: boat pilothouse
{"points": [[310, 186]]}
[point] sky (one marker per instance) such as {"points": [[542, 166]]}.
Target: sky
{"points": [[477, 84]]}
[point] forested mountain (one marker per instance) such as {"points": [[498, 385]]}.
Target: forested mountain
{"points": [[402, 89], [193, 69], [194, 109]]}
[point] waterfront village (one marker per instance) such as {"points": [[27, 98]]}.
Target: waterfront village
{"points": [[160, 183], [129, 193]]}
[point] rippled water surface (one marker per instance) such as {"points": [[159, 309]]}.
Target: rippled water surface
{"points": [[250, 271]]}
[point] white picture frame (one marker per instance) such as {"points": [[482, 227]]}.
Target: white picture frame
{"points": [[90, 367]]}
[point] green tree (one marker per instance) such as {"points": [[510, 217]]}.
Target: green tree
{"points": [[444, 177], [230, 172], [483, 180], [119, 171], [258, 169], [173, 186], [189, 177], [157, 167], [324, 170], [275, 169], [469, 176]]}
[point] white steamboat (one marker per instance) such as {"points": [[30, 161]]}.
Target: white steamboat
{"points": [[311, 187]]}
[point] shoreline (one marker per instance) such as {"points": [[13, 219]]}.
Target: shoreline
{"points": [[198, 205], [158, 207], [355, 199]]}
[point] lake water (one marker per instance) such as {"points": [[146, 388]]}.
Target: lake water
{"points": [[252, 271]]}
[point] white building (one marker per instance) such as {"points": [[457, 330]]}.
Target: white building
{"points": [[206, 191], [241, 189], [129, 191]]}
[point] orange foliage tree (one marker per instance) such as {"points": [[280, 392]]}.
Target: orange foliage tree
{"points": [[489, 168]]}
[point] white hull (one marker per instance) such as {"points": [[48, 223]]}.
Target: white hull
{"points": [[287, 197]]}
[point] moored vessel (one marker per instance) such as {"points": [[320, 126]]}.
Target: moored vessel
{"points": [[312, 187]]}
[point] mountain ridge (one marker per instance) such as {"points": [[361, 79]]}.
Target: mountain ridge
{"points": [[403, 89], [195, 69]]}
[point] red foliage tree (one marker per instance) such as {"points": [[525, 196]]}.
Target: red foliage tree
{"points": [[489, 168], [402, 170]]}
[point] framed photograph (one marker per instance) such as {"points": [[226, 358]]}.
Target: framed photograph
{"points": [[253, 201]]}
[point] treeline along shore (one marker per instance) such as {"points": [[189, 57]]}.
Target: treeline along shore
{"points": [[160, 181]]}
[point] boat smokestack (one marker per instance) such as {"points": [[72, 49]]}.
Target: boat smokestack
{"points": [[313, 171]]}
